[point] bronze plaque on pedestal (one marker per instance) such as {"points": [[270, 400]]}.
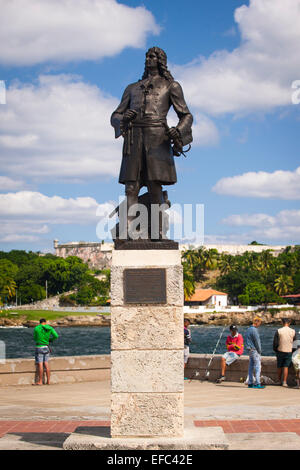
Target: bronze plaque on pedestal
{"points": [[145, 286]]}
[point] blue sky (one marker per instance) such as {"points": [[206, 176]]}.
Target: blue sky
{"points": [[65, 66]]}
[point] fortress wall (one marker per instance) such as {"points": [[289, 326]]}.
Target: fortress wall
{"points": [[98, 255]]}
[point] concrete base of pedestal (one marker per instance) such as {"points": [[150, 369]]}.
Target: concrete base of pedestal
{"points": [[211, 438]]}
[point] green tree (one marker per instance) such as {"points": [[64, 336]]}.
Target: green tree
{"points": [[211, 257], [8, 272], [255, 293], [199, 261], [85, 295], [283, 284], [7, 289], [188, 281], [31, 292], [296, 282], [8, 269], [226, 263], [265, 261], [234, 283]]}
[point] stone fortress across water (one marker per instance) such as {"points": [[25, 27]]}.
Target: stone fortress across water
{"points": [[98, 255]]}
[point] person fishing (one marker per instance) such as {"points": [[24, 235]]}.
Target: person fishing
{"points": [[43, 334], [207, 373], [235, 348]]}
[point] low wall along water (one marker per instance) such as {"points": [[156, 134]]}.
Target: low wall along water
{"points": [[67, 369], [71, 369]]}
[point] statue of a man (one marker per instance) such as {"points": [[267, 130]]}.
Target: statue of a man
{"points": [[141, 118]]}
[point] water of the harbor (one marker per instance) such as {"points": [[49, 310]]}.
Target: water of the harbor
{"points": [[80, 341]]}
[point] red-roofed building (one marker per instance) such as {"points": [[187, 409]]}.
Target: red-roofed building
{"points": [[207, 297]]}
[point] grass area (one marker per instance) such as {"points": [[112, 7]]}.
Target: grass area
{"points": [[47, 314]]}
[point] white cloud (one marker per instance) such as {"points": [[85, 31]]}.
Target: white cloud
{"points": [[26, 215], [175, 215], [228, 239], [21, 231], [257, 75], [249, 219], [54, 210], [205, 132], [287, 233], [36, 31], [15, 238], [279, 184], [10, 184], [58, 128], [283, 226]]}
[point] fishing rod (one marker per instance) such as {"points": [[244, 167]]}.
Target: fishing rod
{"points": [[213, 354]]}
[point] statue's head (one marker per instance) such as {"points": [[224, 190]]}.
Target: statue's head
{"points": [[161, 63]]}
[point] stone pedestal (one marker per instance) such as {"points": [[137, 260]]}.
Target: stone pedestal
{"points": [[147, 344]]}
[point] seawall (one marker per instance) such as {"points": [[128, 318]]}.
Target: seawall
{"points": [[65, 369], [72, 369]]}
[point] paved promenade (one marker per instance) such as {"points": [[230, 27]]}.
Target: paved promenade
{"points": [[42, 417]]}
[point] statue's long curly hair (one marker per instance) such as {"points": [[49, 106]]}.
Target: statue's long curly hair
{"points": [[162, 64]]}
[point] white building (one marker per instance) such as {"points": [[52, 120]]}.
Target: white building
{"points": [[207, 297]]}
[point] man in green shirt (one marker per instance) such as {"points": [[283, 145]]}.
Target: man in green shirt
{"points": [[43, 334]]}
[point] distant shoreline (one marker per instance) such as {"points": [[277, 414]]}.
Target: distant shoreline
{"points": [[64, 319]]}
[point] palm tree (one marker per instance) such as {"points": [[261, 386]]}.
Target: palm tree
{"points": [[210, 258], [191, 257], [283, 284], [266, 258], [288, 264], [226, 263], [195, 259], [188, 281], [249, 260], [8, 289]]}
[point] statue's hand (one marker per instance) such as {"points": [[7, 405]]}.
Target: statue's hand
{"points": [[129, 115], [177, 150], [173, 133]]}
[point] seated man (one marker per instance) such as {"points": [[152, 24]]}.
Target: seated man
{"points": [[235, 348]]}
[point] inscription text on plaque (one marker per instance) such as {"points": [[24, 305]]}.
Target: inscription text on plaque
{"points": [[145, 286]]}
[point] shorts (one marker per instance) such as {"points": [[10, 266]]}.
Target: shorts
{"points": [[283, 359], [186, 353], [230, 357], [42, 354]]}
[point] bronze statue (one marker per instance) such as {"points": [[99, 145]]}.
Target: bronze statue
{"points": [[149, 144]]}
